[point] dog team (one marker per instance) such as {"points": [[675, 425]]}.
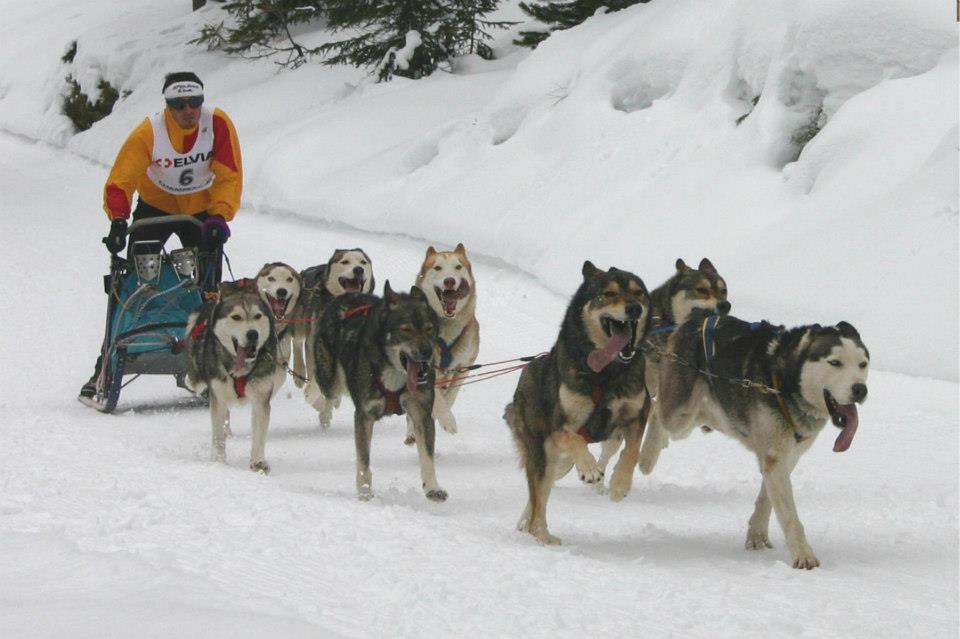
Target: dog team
{"points": [[630, 369]]}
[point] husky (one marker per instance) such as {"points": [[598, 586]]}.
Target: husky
{"points": [[232, 354], [280, 286], [589, 388], [381, 350], [446, 278], [670, 305], [771, 389], [347, 271]]}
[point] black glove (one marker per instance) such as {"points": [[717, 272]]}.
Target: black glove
{"points": [[117, 238]]}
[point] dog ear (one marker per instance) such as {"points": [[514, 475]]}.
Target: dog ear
{"points": [[388, 293], [417, 293], [459, 250], [847, 330], [589, 270], [431, 251], [682, 266], [706, 266]]}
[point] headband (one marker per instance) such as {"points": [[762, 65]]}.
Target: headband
{"points": [[185, 89]]}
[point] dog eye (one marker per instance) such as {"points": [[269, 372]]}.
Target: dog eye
{"points": [[863, 364], [436, 268], [406, 328], [609, 294], [835, 363], [363, 262], [459, 267], [235, 317], [703, 290], [270, 279], [258, 316], [345, 262]]}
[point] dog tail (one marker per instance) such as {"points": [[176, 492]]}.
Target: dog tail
{"points": [[533, 457]]}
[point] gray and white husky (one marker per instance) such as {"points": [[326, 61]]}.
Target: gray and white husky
{"points": [[801, 379], [347, 271], [381, 350], [232, 353]]}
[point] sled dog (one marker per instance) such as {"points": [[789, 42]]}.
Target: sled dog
{"points": [[804, 377], [232, 353], [280, 287], [446, 278], [347, 271], [381, 350], [589, 388], [670, 305]]}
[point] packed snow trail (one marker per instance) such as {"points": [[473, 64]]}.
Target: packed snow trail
{"points": [[120, 525]]}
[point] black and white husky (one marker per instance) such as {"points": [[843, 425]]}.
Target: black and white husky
{"points": [[771, 389], [232, 353], [381, 350]]}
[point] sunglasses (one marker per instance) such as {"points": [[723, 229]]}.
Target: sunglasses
{"points": [[178, 104]]}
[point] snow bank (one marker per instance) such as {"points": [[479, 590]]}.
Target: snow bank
{"points": [[667, 129]]}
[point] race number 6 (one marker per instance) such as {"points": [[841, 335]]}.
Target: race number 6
{"points": [[186, 177]]}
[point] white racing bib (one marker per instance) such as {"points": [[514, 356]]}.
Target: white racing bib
{"points": [[182, 173]]}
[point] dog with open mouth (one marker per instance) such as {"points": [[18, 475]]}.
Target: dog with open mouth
{"points": [[347, 271], [381, 351], [232, 354], [670, 305], [771, 389], [446, 278], [280, 286], [589, 388]]}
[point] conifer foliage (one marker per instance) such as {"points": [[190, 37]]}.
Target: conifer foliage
{"points": [[556, 16], [409, 38], [262, 29]]}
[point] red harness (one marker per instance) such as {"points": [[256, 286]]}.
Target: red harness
{"points": [[240, 386], [596, 395]]}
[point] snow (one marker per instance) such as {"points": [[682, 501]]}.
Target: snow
{"points": [[615, 141]]}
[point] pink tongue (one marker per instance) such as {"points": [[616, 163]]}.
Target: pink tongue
{"points": [[450, 302], [411, 376], [279, 307], [241, 360], [597, 360], [845, 438]]}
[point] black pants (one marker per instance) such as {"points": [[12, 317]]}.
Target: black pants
{"points": [[189, 235]]}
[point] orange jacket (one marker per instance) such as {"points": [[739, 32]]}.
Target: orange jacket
{"points": [[129, 172]]}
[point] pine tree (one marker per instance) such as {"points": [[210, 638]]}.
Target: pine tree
{"points": [[557, 16], [398, 37], [467, 30], [263, 30]]}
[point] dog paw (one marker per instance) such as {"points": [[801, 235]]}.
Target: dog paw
{"points": [[437, 495], [600, 488], [324, 424], [806, 563], [545, 538], [261, 467], [805, 559], [409, 440], [449, 425], [365, 493], [590, 475], [757, 541], [619, 488]]}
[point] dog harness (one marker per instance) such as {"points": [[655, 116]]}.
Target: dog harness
{"points": [[783, 408], [446, 350], [240, 386]]}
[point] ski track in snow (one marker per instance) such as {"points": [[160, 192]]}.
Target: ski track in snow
{"points": [[134, 495]]}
